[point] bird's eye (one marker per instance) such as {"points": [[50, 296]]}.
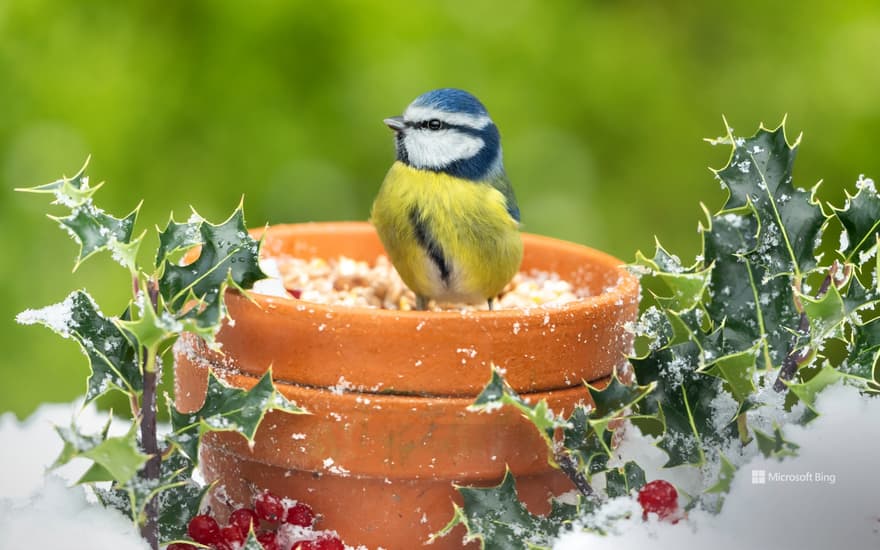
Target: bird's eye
{"points": [[434, 124]]}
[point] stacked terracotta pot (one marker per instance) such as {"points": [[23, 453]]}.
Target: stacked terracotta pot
{"points": [[389, 430]]}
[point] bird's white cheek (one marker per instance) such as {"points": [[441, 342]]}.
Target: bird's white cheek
{"points": [[428, 149]]}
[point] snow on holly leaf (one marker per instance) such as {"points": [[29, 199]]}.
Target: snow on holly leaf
{"points": [[759, 175], [112, 356], [673, 286], [864, 354], [91, 227], [71, 192], [96, 230], [860, 218], [181, 499], [760, 245], [228, 256], [227, 408]]}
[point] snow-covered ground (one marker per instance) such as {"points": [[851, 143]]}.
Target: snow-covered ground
{"points": [[42, 511], [827, 497]]}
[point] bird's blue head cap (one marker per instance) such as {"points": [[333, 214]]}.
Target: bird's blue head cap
{"points": [[451, 100], [448, 130]]}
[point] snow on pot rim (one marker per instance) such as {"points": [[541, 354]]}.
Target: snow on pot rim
{"points": [[442, 353]]}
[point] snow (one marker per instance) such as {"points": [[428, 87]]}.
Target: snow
{"points": [[826, 497], [57, 317], [32, 500]]}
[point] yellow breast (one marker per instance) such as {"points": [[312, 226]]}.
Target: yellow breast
{"points": [[450, 239]]}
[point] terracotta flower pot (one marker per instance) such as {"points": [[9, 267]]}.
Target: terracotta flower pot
{"points": [[388, 391]]}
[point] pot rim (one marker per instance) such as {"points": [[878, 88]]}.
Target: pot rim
{"points": [[626, 283]]}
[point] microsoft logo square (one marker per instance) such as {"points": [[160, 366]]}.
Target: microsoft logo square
{"points": [[759, 477]]}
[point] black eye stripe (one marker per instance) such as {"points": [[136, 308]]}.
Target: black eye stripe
{"points": [[425, 124]]}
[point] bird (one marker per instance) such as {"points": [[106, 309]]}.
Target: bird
{"points": [[446, 212]]}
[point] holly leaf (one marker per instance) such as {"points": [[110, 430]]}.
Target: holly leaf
{"points": [[113, 357], [113, 497], [591, 448], [496, 518], [737, 370], [725, 477], [497, 393], [182, 498], [96, 230], [613, 400], [864, 352], [809, 389], [675, 287], [622, 481], [228, 257], [759, 175], [682, 399], [860, 218], [228, 409], [150, 328], [177, 494], [71, 192], [775, 445], [179, 236], [116, 458]]}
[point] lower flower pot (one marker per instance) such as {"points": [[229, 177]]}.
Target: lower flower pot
{"points": [[379, 469]]}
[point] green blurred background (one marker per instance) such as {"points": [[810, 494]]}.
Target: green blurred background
{"points": [[602, 108]]}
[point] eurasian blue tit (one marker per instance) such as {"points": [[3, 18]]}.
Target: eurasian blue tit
{"points": [[446, 212]]}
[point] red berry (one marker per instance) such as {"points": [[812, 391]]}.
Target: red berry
{"points": [[181, 546], [232, 535], [658, 497], [300, 514], [330, 542], [268, 541], [324, 542], [244, 518], [204, 529], [268, 507]]}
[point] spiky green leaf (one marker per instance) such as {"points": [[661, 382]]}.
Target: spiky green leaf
{"points": [[229, 256], [181, 500], [111, 350], [622, 481], [117, 458], [496, 518], [775, 445], [861, 220], [231, 409], [497, 393], [71, 192], [95, 231]]}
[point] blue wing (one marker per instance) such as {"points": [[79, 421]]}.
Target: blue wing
{"points": [[501, 183]]}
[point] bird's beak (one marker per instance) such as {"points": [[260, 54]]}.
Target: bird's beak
{"points": [[395, 123]]}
